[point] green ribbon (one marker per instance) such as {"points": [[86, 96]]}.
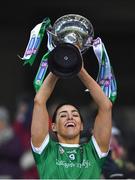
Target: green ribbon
{"points": [[35, 40], [41, 72]]}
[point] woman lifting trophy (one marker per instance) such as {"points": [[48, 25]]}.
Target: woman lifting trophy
{"points": [[66, 158]]}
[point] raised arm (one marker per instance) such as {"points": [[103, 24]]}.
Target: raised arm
{"points": [[103, 121], [39, 126]]}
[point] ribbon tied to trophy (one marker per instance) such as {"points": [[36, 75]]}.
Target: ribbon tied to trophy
{"points": [[67, 40]]}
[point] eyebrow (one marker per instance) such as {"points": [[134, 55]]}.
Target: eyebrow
{"points": [[71, 111]]}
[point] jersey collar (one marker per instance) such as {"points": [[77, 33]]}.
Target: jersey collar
{"points": [[69, 145]]}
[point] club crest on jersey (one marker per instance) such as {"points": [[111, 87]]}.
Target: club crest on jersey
{"points": [[61, 150]]}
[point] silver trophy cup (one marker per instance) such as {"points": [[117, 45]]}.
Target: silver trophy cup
{"points": [[74, 29], [68, 31]]}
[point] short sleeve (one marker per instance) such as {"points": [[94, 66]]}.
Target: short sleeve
{"points": [[40, 149]]}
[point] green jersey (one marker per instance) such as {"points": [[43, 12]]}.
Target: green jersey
{"points": [[68, 161]]}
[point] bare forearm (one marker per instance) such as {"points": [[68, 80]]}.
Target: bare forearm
{"points": [[46, 89], [95, 90]]}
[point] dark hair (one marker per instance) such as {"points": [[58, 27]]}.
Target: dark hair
{"points": [[59, 106]]}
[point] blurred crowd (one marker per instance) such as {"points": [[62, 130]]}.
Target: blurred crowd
{"points": [[16, 159], [118, 165]]}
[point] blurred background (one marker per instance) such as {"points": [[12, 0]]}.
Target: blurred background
{"points": [[113, 22]]}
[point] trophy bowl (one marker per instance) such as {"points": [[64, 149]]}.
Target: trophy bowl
{"points": [[74, 29]]}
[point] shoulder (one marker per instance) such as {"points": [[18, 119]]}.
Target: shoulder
{"points": [[94, 147], [48, 143]]}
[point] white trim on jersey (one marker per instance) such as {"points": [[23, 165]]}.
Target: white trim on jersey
{"points": [[99, 152], [69, 145], [40, 149]]}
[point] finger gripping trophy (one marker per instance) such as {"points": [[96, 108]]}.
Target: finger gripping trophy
{"points": [[68, 39]]}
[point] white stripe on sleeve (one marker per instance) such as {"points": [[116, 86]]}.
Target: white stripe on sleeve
{"points": [[99, 152], [40, 149]]}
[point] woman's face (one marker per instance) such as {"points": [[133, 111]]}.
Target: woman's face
{"points": [[68, 122]]}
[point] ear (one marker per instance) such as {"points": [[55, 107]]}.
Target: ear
{"points": [[54, 128]]}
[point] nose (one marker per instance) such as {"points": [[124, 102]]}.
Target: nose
{"points": [[70, 116]]}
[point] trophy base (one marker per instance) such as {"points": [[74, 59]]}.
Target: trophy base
{"points": [[65, 61]]}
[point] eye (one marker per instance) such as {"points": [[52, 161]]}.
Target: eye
{"points": [[76, 115], [63, 115]]}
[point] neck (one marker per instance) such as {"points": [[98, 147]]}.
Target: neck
{"points": [[66, 140]]}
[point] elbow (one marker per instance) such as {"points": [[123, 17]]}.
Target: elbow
{"points": [[107, 106], [36, 100], [39, 100]]}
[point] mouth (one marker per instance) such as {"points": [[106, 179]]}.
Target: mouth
{"points": [[70, 124]]}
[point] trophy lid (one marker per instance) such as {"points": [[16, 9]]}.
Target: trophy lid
{"points": [[74, 29]]}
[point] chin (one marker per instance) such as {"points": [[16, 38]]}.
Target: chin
{"points": [[71, 135]]}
